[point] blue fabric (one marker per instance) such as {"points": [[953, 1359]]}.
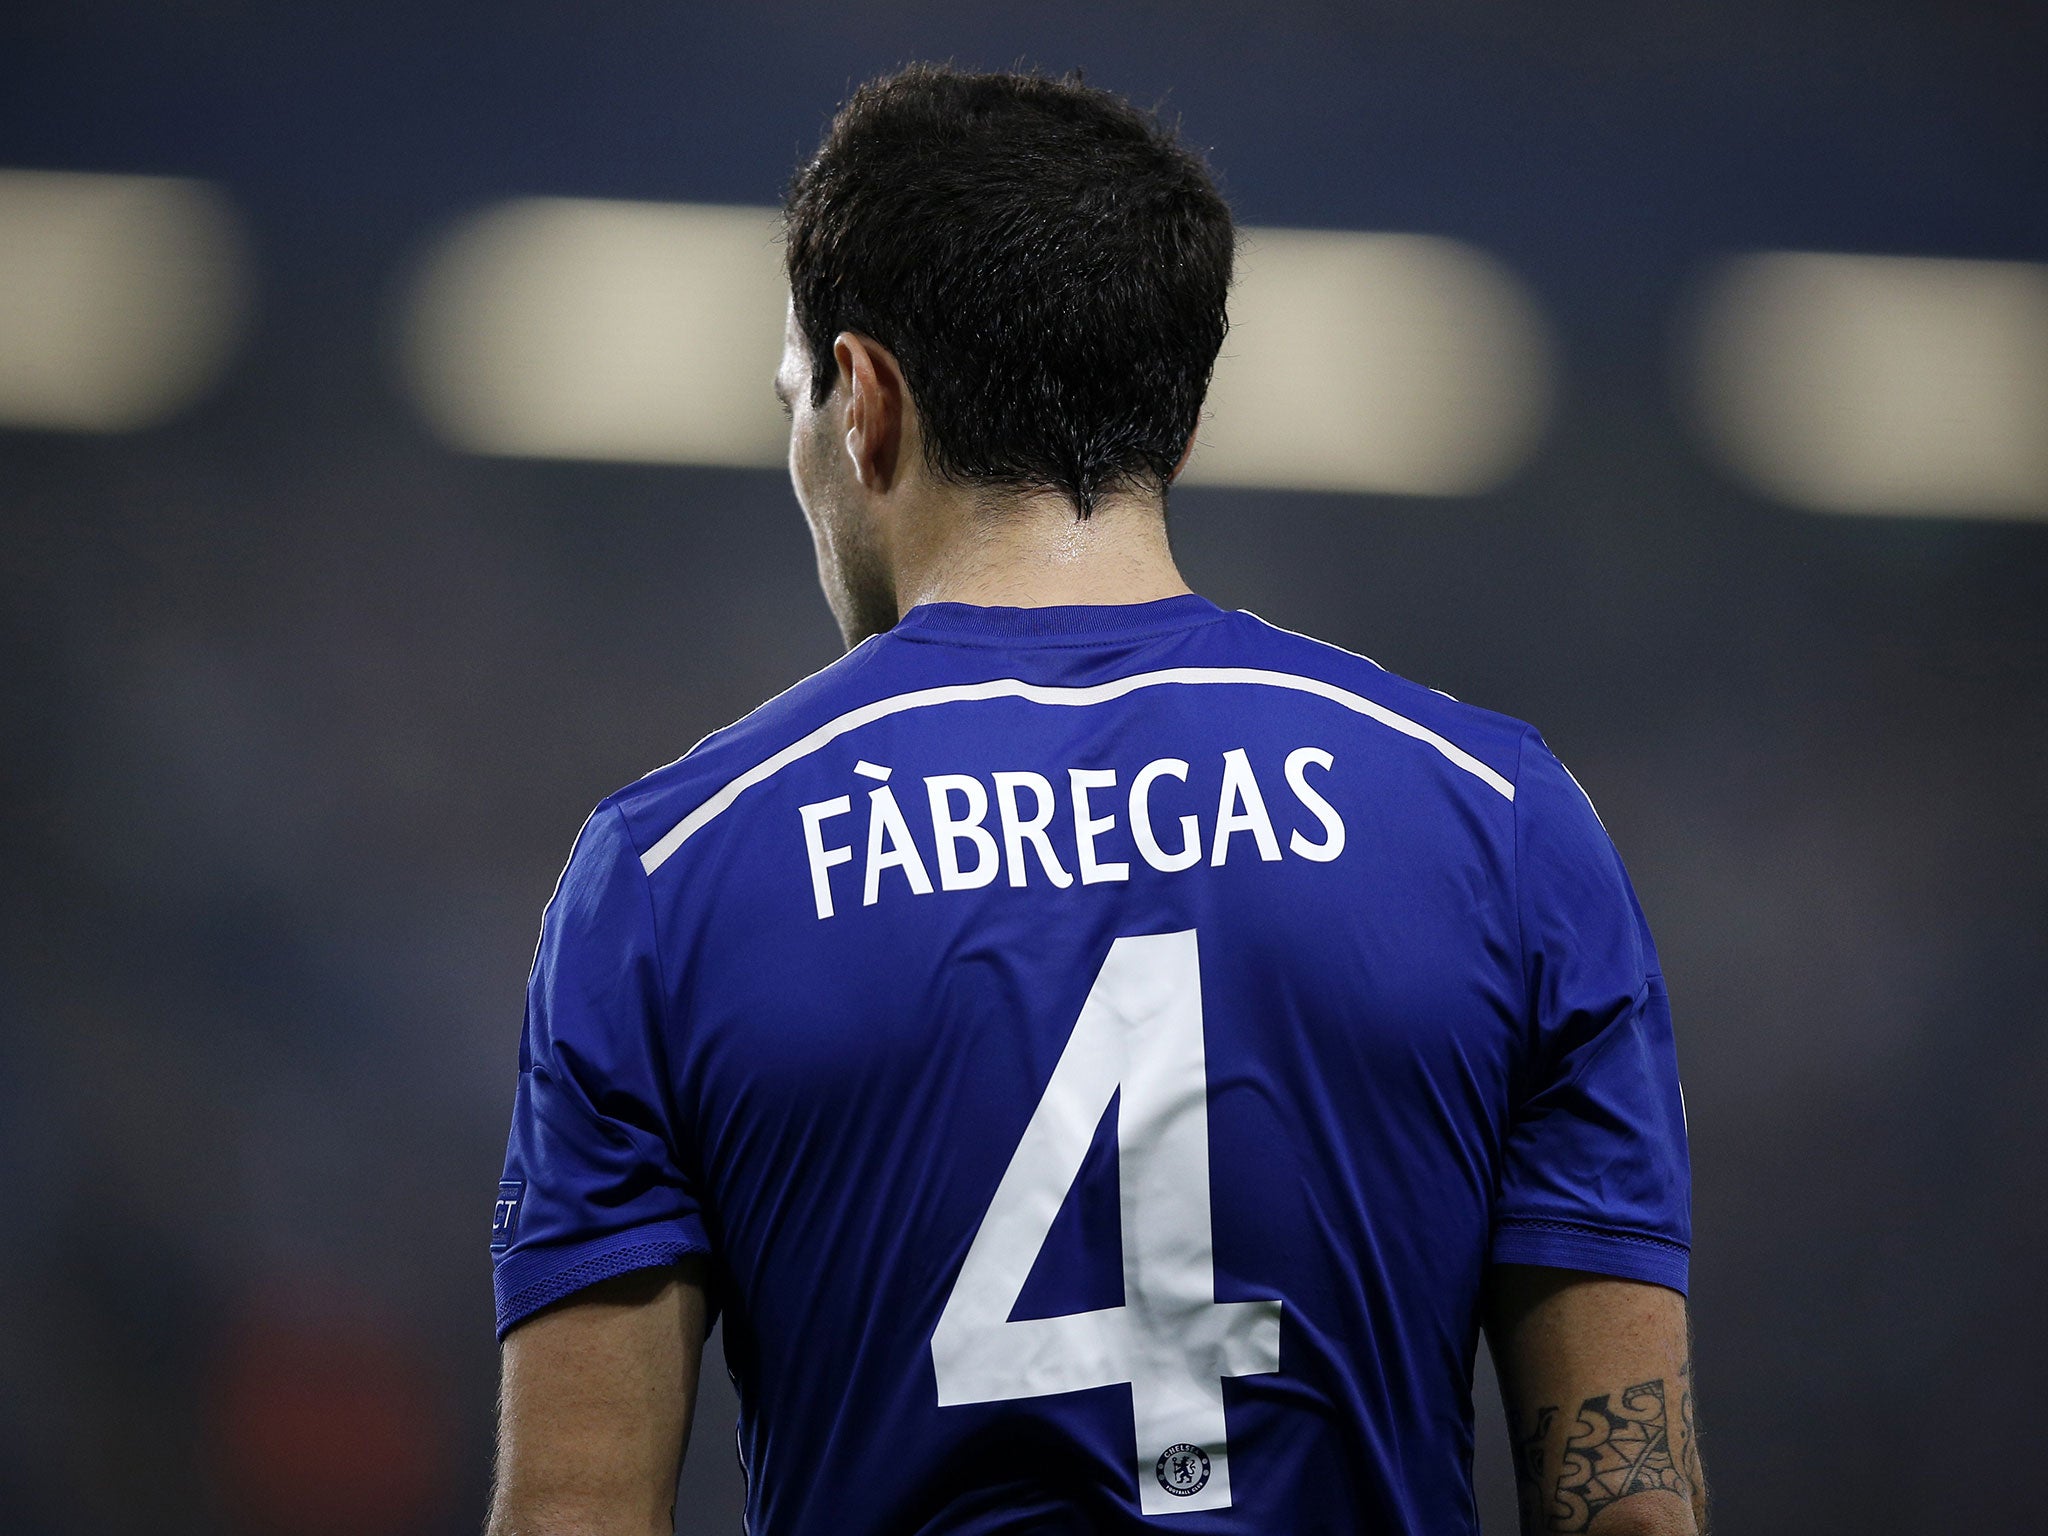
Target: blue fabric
{"points": [[1445, 1045]]}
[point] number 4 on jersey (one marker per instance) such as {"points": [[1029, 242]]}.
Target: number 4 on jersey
{"points": [[1140, 1031]]}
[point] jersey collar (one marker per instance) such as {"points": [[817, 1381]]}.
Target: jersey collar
{"points": [[1080, 624]]}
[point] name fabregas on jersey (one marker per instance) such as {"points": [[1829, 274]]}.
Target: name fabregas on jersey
{"points": [[972, 829]]}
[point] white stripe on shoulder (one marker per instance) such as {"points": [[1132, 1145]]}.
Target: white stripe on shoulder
{"points": [[1315, 640], [1582, 790], [1039, 693], [743, 719], [1331, 645]]}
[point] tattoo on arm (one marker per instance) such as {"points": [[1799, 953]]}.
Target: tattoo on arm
{"points": [[1529, 1470], [1689, 1433], [1619, 1445], [1688, 1430]]}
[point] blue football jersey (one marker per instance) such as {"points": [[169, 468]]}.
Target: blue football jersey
{"points": [[1100, 1050]]}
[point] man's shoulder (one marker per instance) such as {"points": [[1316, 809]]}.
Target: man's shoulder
{"points": [[654, 803], [664, 802]]}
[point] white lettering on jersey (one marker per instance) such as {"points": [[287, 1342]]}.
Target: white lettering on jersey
{"points": [[823, 858], [1241, 808], [1141, 819], [1016, 830], [960, 807], [940, 788], [890, 846], [1333, 825], [1087, 828]]}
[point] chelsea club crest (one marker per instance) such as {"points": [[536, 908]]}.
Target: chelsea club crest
{"points": [[1183, 1470]]}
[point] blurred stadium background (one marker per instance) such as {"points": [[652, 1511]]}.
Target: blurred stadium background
{"points": [[388, 472]]}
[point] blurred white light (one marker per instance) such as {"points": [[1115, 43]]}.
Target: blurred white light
{"points": [[1407, 364], [1879, 383], [641, 331], [579, 329], [120, 297]]}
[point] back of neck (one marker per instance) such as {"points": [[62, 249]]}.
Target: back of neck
{"points": [[1032, 551]]}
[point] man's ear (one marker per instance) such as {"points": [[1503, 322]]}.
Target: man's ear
{"points": [[877, 401], [1185, 454]]}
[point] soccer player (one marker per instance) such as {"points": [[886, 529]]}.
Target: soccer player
{"points": [[1105, 1057]]}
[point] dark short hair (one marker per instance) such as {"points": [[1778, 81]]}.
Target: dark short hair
{"points": [[1047, 263]]}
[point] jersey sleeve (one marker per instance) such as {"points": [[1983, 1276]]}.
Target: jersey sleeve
{"points": [[592, 1185], [1595, 1172]]}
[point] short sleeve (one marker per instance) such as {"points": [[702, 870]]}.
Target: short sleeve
{"points": [[592, 1185], [1595, 1173]]}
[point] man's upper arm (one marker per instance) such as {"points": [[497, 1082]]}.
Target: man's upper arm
{"points": [[1585, 1307], [1596, 1378], [1593, 1171], [599, 1244], [595, 1404], [596, 1179]]}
